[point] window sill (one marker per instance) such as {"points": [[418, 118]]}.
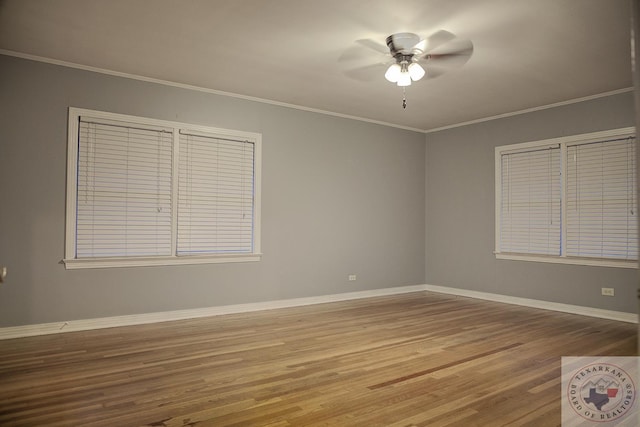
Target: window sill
{"points": [[76, 264], [598, 262]]}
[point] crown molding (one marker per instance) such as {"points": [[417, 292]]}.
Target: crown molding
{"points": [[300, 107], [533, 109], [67, 64]]}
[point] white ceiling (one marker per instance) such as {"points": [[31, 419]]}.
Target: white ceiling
{"points": [[528, 53]]}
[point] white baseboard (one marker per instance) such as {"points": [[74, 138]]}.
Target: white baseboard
{"points": [[139, 319], [534, 303]]}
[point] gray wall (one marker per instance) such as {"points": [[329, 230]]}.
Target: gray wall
{"points": [[460, 209], [339, 197]]}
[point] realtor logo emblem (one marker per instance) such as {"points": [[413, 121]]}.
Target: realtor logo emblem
{"points": [[599, 391]]}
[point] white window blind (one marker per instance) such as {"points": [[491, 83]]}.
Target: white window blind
{"points": [[215, 195], [530, 209], [123, 190], [569, 200], [601, 200], [145, 192]]}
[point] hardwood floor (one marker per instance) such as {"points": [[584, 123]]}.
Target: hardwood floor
{"points": [[418, 359]]}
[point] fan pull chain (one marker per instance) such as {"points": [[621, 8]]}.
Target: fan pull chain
{"points": [[404, 98]]}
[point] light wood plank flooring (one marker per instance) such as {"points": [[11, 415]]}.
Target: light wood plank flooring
{"points": [[418, 359]]}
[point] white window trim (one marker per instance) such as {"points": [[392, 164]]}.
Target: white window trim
{"points": [[563, 142], [569, 260], [72, 164]]}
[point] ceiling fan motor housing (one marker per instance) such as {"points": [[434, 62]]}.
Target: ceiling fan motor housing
{"points": [[403, 45]]}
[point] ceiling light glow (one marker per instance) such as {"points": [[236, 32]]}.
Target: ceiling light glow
{"points": [[404, 79], [393, 73], [416, 71]]}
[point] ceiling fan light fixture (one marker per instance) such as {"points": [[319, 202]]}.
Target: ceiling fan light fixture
{"points": [[409, 51], [415, 71], [393, 73], [404, 79]]}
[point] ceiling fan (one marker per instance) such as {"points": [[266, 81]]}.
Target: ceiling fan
{"points": [[414, 58]]}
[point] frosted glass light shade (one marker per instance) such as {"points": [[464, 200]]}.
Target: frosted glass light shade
{"points": [[393, 73], [416, 71], [404, 79]]}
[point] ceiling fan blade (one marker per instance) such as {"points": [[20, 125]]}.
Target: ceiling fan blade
{"points": [[447, 55], [436, 65], [456, 46], [366, 50], [367, 73], [435, 71], [373, 45], [433, 41]]}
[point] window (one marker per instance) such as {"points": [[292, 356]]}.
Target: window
{"points": [[570, 200], [150, 192]]}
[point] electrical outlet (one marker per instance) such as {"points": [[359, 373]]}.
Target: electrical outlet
{"points": [[352, 277], [608, 292]]}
